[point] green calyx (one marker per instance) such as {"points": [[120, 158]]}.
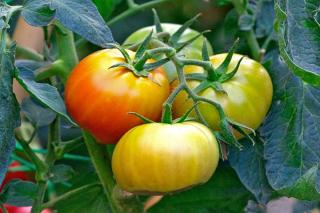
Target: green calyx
{"points": [[139, 65], [214, 77]]}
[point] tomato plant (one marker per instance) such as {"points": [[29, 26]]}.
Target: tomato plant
{"points": [[216, 112]]}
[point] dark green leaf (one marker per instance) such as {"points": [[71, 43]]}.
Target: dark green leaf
{"points": [[37, 13], [246, 22], [37, 114], [93, 200], [249, 164], [83, 18], [60, 173], [80, 16], [222, 193], [292, 132], [9, 109], [264, 19], [105, 7], [299, 37], [42, 92], [19, 193]]}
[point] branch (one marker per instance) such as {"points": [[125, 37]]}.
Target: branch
{"points": [[134, 9], [250, 36], [68, 195]]}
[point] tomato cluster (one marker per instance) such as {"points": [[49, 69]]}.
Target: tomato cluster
{"points": [[157, 158]]}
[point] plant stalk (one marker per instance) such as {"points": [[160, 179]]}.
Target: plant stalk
{"points": [[135, 9], [249, 35]]}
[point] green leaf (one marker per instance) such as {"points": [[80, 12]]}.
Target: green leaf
{"points": [[292, 132], [246, 22], [299, 37], [93, 200], [42, 92], [37, 13], [9, 110], [60, 173], [250, 167], [105, 7], [222, 193], [19, 193], [80, 16], [37, 115], [264, 19]]}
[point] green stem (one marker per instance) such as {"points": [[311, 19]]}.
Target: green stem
{"points": [[23, 161], [57, 67], [27, 53], [42, 186], [66, 48], [103, 168], [43, 174], [44, 151], [135, 9], [249, 35], [131, 4], [32, 156], [70, 194]]}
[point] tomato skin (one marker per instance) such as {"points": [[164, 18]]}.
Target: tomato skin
{"points": [[14, 175], [22, 209], [192, 51], [248, 98], [159, 158], [99, 99]]}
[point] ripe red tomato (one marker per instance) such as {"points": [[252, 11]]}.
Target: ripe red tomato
{"points": [[99, 99], [14, 175], [22, 209], [22, 176]]}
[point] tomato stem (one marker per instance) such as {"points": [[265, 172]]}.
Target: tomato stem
{"points": [[70, 194], [249, 35], [135, 9], [102, 165]]}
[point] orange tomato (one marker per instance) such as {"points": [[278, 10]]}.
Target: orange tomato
{"points": [[99, 98]]}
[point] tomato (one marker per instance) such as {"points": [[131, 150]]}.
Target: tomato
{"points": [[22, 176], [247, 99], [99, 99], [22, 209], [192, 51], [14, 175], [159, 158]]}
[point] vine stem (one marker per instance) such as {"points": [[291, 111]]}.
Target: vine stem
{"points": [[103, 169], [70, 194], [134, 9], [249, 35], [43, 173]]}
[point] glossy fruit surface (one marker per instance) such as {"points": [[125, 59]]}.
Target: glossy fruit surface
{"points": [[192, 51], [99, 99], [247, 99], [14, 175], [160, 158]]}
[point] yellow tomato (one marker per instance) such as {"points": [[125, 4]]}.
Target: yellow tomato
{"points": [[159, 158], [247, 99]]}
